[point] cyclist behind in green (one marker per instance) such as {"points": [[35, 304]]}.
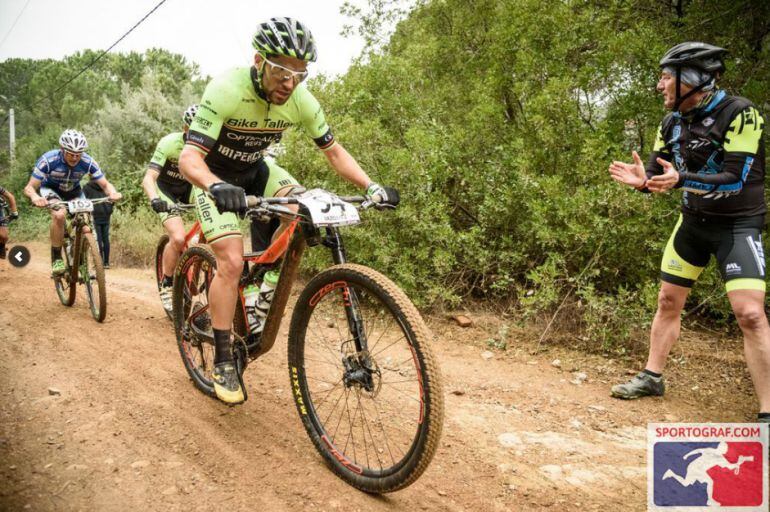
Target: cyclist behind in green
{"points": [[6, 199], [711, 146], [165, 186], [56, 176], [240, 115]]}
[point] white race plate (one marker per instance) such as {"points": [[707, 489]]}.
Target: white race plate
{"points": [[80, 206], [326, 209]]}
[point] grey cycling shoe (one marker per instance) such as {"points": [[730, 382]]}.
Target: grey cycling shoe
{"points": [[227, 385], [643, 384]]}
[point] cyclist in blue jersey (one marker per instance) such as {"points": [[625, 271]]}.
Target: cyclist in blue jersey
{"points": [[57, 175]]}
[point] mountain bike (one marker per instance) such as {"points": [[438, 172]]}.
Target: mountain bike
{"points": [[82, 261], [194, 235], [363, 379]]}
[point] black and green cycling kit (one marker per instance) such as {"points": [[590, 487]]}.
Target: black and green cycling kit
{"points": [[718, 150], [171, 185], [234, 126]]}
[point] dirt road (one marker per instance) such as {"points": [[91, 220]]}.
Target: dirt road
{"points": [[103, 417]]}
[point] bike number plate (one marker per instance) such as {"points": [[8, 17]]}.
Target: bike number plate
{"points": [[328, 210], [80, 206]]}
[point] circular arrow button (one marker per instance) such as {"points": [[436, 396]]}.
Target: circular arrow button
{"points": [[18, 256]]}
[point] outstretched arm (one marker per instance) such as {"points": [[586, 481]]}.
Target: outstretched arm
{"points": [[194, 169], [148, 183], [11, 200], [31, 191], [346, 166], [632, 175], [108, 189], [694, 452]]}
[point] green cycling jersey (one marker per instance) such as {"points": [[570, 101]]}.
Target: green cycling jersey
{"points": [[235, 124], [165, 161]]}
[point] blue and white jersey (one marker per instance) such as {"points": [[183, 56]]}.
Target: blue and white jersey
{"points": [[52, 170]]}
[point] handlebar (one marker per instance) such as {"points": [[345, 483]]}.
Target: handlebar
{"points": [[180, 207], [257, 201], [60, 203], [273, 206]]}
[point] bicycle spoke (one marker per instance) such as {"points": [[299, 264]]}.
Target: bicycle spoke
{"points": [[367, 403]]}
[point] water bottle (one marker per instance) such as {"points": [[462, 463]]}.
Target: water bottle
{"points": [[258, 300], [250, 296]]}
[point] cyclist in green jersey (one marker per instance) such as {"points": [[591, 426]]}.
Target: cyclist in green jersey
{"points": [[165, 186], [241, 114], [710, 145]]}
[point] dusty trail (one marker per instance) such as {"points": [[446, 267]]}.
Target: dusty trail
{"points": [[129, 430]]}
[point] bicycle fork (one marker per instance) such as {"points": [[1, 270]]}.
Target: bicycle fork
{"points": [[359, 367]]}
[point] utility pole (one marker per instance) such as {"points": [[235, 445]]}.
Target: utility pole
{"points": [[12, 133]]}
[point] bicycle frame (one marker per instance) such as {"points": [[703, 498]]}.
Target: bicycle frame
{"points": [[291, 245], [79, 221]]}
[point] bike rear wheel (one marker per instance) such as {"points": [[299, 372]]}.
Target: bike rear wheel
{"points": [[162, 243], [374, 415], [65, 283], [192, 279], [92, 275]]}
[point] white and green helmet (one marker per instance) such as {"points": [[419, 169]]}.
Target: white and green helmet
{"points": [[285, 36], [189, 115]]}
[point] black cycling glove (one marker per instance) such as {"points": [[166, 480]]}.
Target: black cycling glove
{"points": [[159, 205], [228, 198]]}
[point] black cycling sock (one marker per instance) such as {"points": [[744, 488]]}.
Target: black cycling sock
{"points": [[2, 251], [167, 281], [222, 352], [55, 253], [763, 415], [653, 374]]}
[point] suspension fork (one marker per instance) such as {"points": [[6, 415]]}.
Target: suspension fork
{"points": [[333, 241], [76, 246]]}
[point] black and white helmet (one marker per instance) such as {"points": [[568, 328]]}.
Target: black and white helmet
{"points": [[285, 36], [73, 141], [703, 56], [189, 115], [695, 63]]}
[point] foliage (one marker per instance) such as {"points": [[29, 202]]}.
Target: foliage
{"points": [[496, 119]]}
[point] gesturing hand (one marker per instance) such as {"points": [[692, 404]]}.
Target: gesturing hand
{"points": [[632, 175], [665, 181]]}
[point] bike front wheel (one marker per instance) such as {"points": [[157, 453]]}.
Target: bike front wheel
{"points": [[65, 283], [372, 403], [92, 275]]}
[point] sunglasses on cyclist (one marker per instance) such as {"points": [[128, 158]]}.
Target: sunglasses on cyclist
{"points": [[284, 74], [71, 154]]}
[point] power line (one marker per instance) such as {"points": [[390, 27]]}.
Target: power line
{"points": [[89, 65], [14, 23]]}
